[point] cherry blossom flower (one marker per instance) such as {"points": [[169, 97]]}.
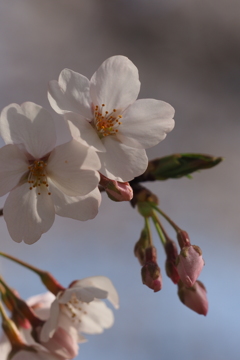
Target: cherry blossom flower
{"points": [[63, 345], [105, 113], [80, 306], [43, 179]]}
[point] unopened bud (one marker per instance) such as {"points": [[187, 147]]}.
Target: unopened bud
{"points": [[151, 274], [172, 254], [19, 319], [141, 245], [194, 297], [177, 165], [190, 264], [183, 238], [116, 190]]}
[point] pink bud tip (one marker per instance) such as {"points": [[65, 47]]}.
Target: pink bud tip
{"points": [[194, 297], [151, 276], [190, 264], [116, 190]]}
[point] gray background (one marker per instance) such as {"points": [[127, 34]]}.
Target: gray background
{"points": [[188, 54]]}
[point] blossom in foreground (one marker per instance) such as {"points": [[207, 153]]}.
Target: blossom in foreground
{"points": [[105, 113], [63, 344], [43, 179], [80, 306]]}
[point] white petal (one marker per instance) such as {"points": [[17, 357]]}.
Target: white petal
{"points": [[44, 299], [145, 123], [85, 294], [41, 304], [13, 164], [71, 167], [82, 130], [121, 162], [5, 346], [70, 93], [76, 207], [115, 83], [29, 355], [101, 282], [51, 324], [27, 214], [30, 125], [97, 318]]}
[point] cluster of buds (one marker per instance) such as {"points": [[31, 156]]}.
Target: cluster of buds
{"points": [[182, 268]]}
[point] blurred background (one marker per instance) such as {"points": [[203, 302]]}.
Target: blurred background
{"points": [[188, 54]]}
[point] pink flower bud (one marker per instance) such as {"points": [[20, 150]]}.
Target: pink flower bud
{"points": [[151, 274], [116, 190], [172, 254], [190, 264], [194, 297], [141, 245], [183, 238]]}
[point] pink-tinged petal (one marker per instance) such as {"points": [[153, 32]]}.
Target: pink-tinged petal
{"points": [[41, 300], [121, 162], [101, 282], [27, 214], [29, 125], [40, 355], [115, 84], [63, 343], [71, 167], [95, 318], [85, 294], [13, 165], [145, 123], [51, 324], [41, 304], [76, 207], [70, 93], [82, 130]]}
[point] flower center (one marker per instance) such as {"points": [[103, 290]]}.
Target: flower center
{"points": [[76, 308], [37, 175], [106, 123]]}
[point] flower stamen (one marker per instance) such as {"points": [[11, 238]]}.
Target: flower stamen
{"points": [[37, 175], [105, 122]]}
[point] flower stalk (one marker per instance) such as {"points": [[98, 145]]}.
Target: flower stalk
{"points": [[47, 279]]}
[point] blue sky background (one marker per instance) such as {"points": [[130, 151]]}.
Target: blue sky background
{"points": [[188, 54]]}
